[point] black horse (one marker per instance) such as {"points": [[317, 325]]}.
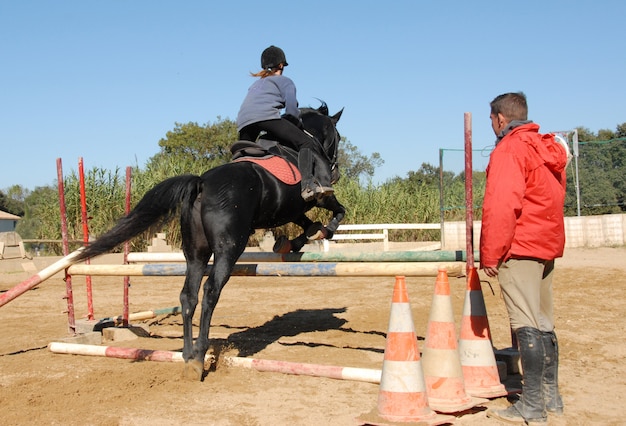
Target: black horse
{"points": [[218, 212]]}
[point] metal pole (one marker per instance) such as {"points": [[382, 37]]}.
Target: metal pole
{"points": [[125, 312], [469, 199], [441, 212], [84, 218], [577, 183], [69, 295]]}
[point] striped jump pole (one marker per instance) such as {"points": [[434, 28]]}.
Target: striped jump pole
{"points": [[37, 279], [305, 369], [118, 352], [388, 256], [144, 315], [342, 269], [262, 365]]}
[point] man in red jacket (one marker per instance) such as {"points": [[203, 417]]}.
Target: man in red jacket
{"points": [[522, 233]]}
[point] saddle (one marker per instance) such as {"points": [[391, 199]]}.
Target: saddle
{"points": [[248, 149], [267, 154]]}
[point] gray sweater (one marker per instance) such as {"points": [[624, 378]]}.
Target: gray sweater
{"points": [[266, 98]]}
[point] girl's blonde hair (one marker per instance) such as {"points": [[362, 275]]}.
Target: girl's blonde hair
{"points": [[264, 73]]}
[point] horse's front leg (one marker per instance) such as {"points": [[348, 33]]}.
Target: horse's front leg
{"points": [[339, 211], [284, 245], [313, 230]]}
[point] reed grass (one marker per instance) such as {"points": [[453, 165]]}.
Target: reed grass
{"points": [[396, 201]]}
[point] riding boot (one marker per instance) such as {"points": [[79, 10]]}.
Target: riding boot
{"points": [[323, 175], [311, 187], [554, 402], [530, 408]]}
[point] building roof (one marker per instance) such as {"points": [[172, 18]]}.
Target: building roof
{"points": [[8, 216]]}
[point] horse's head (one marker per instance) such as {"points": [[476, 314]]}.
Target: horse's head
{"points": [[324, 127]]}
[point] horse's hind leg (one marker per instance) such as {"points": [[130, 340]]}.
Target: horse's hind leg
{"points": [[197, 253], [189, 300], [223, 264], [227, 243]]}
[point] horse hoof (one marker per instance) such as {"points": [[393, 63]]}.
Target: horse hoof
{"points": [[317, 236], [317, 231], [193, 370], [282, 245]]}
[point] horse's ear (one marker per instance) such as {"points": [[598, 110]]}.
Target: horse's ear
{"points": [[337, 116]]}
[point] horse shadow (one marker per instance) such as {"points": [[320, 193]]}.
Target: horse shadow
{"points": [[253, 340]]}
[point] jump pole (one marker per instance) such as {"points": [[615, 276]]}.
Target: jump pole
{"points": [[343, 269], [35, 280], [144, 315], [262, 365], [117, 352], [304, 369], [388, 256]]}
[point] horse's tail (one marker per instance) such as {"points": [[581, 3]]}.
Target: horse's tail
{"points": [[158, 205]]}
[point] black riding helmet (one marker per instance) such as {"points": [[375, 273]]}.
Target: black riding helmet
{"points": [[272, 56]]}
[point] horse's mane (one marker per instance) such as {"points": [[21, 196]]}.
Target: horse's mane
{"points": [[322, 109]]}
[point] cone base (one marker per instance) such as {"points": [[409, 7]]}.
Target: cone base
{"points": [[455, 406], [373, 418], [487, 391]]}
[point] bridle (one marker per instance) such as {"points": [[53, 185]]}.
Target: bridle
{"points": [[328, 145]]}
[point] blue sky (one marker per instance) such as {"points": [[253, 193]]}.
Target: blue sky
{"points": [[105, 80]]}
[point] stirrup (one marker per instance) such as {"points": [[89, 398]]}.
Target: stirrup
{"points": [[323, 191], [308, 194], [317, 192]]}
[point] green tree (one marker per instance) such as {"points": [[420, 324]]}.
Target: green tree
{"points": [[13, 201], [4, 203], [601, 169], [208, 144], [189, 148], [41, 215], [355, 165]]}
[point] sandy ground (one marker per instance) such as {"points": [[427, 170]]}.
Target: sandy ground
{"points": [[329, 321]]}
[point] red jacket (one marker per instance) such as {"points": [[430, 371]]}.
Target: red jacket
{"points": [[524, 198]]}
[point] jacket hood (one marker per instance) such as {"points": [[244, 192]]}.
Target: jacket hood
{"points": [[551, 152]]}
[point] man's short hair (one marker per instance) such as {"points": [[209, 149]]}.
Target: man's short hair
{"points": [[512, 106]]}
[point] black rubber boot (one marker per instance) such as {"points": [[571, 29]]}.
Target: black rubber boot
{"points": [[552, 397], [531, 404], [311, 187], [530, 408]]}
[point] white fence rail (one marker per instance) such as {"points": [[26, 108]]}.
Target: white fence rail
{"points": [[343, 232], [586, 231]]}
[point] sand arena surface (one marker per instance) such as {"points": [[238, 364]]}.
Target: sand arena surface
{"points": [[322, 320]]}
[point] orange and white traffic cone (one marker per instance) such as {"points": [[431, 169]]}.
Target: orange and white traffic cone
{"points": [[402, 396], [440, 359], [480, 370]]}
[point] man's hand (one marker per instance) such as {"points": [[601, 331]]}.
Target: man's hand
{"points": [[491, 271]]}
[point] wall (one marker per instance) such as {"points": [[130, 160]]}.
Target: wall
{"points": [[7, 225], [584, 231]]}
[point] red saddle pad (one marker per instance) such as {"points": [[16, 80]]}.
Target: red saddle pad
{"points": [[282, 169]]}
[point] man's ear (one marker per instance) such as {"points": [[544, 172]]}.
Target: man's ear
{"points": [[502, 121]]}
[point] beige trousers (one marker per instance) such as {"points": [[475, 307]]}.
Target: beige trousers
{"points": [[527, 289]]}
